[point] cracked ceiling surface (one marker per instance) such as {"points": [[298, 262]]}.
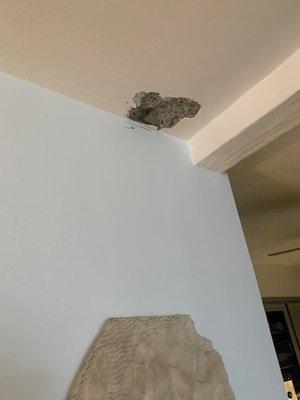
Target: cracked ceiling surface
{"points": [[102, 52]]}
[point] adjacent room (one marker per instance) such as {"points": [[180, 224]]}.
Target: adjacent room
{"points": [[266, 187]]}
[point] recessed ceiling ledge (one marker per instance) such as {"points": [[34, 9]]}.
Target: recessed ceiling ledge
{"points": [[263, 113]]}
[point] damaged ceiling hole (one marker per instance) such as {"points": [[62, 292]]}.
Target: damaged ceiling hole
{"points": [[151, 109]]}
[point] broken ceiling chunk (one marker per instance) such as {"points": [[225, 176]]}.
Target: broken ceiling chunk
{"points": [[151, 109]]}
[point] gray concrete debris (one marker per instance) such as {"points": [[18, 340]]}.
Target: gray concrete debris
{"points": [[151, 109]]}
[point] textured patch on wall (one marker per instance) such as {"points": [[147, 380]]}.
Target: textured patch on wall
{"points": [[155, 357], [151, 109]]}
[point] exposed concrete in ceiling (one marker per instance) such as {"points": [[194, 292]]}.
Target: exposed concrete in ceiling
{"points": [[151, 109], [102, 52], [266, 187]]}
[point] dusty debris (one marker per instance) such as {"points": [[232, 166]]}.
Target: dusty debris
{"points": [[151, 109]]}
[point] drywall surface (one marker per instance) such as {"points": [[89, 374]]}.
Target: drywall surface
{"points": [[98, 220], [278, 280]]}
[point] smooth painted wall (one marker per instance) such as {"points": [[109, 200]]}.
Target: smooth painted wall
{"points": [[278, 280], [99, 220]]}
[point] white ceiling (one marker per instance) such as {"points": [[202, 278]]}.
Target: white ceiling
{"points": [[266, 187], [104, 51]]}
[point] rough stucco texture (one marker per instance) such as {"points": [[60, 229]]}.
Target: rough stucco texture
{"points": [[151, 358], [151, 109]]}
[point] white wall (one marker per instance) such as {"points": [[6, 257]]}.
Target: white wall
{"points": [[98, 220]]}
